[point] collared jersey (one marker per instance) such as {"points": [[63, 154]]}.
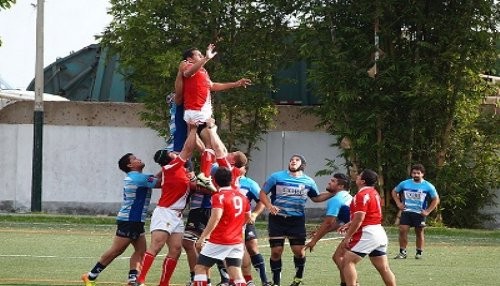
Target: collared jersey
{"points": [[250, 189], [196, 89], [415, 195], [290, 193], [136, 196], [175, 185], [338, 206], [367, 200], [231, 226]]}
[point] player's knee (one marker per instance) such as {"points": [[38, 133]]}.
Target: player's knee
{"points": [[174, 252], [253, 251]]}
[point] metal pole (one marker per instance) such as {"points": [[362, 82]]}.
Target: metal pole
{"points": [[36, 178]]}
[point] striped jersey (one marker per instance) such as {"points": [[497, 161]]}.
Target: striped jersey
{"points": [[338, 206], [250, 189], [136, 196], [415, 195], [290, 193]]}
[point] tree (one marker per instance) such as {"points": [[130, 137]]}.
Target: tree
{"points": [[398, 85], [6, 4], [423, 98], [252, 40]]}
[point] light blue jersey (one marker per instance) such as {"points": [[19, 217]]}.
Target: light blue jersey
{"points": [[338, 206], [250, 189], [415, 195], [290, 193], [136, 196]]}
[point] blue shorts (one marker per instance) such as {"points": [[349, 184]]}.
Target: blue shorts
{"points": [[130, 229], [250, 232], [412, 219], [197, 220], [290, 226]]}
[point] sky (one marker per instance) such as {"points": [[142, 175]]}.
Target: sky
{"points": [[70, 25]]}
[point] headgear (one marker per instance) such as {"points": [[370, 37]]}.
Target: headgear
{"points": [[303, 162]]}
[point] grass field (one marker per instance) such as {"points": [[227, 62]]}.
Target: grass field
{"points": [[56, 250]]}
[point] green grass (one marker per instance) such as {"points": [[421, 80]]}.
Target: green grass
{"points": [[56, 250]]}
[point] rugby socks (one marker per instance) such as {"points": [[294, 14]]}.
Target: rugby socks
{"points": [[132, 275], [402, 251], [276, 269], [207, 157], [240, 282], [248, 278], [147, 261], [200, 280], [168, 268], [98, 268], [192, 275], [300, 263], [260, 266], [224, 276]]}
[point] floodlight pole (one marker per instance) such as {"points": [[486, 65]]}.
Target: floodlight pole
{"points": [[36, 177]]}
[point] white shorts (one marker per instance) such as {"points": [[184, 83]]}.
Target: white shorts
{"points": [[222, 251], [373, 237], [167, 220], [199, 116]]}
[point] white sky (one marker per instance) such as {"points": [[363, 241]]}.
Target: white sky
{"points": [[70, 25]]}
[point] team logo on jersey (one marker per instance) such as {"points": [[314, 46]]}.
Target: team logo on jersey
{"points": [[366, 198], [299, 190]]}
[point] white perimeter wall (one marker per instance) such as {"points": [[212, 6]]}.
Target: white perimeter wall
{"points": [[79, 162], [80, 172]]}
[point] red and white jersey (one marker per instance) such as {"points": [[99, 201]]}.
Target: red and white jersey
{"points": [[175, 185], [367, 200], [196, 89], [235, 172], [235, 207]]}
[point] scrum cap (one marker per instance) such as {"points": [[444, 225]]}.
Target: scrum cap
{"points": [[303, 162]]}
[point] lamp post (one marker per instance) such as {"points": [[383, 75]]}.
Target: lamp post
{"points": [[36, 177]]}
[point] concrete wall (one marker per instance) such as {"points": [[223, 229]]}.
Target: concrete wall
{"points": [[83, 141], [494, 211]]}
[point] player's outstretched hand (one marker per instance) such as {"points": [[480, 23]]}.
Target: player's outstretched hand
{"points": [[244, 82], [310, 245], [210, 51]]}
